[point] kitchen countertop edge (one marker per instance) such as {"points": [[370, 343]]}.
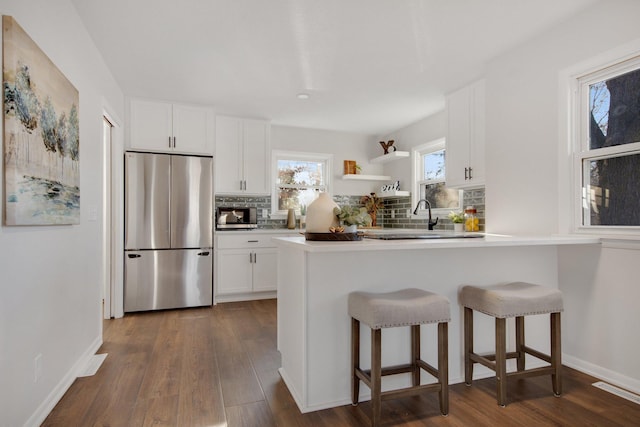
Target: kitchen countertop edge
{"points": [[490, 240]]}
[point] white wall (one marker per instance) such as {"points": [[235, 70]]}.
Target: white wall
{"points": [[343, 146], [425, 130], [51, 276], [527, 180]]}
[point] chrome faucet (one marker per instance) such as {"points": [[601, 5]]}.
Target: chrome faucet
{"points": [[430, 223]]}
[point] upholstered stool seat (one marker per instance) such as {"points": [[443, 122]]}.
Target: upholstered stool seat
{"points": [[407, 307], [516, 300]]}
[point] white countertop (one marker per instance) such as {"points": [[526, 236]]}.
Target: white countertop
{"points": [[490, 240], [261, 231]]}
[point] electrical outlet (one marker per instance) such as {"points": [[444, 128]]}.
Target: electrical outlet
{"points": [[265, 213], [408, 213], [37, 368], [393, 213]]}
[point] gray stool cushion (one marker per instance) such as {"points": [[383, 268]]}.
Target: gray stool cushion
{"points": [[511, 300], [401, 308]]}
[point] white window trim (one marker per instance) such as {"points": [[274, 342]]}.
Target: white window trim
{"points": [[579, 137], [416, 167], [296, 155]]}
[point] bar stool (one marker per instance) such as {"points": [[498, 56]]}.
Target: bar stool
{"points": [[517, 300], [407, 307]]}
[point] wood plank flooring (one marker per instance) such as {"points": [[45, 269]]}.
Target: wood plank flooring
{"points": [[217, 367]]}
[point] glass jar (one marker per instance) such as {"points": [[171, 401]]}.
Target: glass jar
{"points": [[471, 222]]}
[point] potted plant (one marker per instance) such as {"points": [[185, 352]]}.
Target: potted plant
{"points": [[352, 216], [457, 218], [372, 203]]}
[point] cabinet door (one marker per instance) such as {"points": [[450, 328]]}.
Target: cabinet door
{"points": [[265, 267], [458, 138], [234, 271], [191, 129], [477, 145], [151, 125], [465, 137], [256, 136], [228, 155]]}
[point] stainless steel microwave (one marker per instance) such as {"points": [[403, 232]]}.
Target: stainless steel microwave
{"points": [[233, 217]]}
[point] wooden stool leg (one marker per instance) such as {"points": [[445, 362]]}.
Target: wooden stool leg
{"points": [[443, 366], [355, 360], [415, 354], [376, 376], [501, 360], [468, 345], [520, 343], [556, 354]]}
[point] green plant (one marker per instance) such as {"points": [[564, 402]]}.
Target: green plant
{"points": [[456, 217], [353, 215], [303, 209]]}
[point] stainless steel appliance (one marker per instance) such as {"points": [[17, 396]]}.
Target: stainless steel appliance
{"points": [[235, 218], [168, 231]]}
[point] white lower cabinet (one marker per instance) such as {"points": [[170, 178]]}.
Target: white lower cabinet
{"points": [[246, 266]]}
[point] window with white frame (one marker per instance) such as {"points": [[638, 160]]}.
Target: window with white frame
{"points": [[298, 179], [608, 150], [429, 177]]}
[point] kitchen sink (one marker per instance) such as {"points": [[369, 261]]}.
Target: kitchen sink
{"points": [[412, 235]]}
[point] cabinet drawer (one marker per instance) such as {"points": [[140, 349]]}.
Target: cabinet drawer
{"points": [[245, 241]]}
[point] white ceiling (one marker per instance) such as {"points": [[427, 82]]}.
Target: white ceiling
{"points": [[370, 66]]}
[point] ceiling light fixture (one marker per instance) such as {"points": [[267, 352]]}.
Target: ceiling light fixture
{"points": [[303, 96]]}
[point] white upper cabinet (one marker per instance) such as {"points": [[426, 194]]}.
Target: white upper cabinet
{"points": [[242, 156], [465, 143], [162, 126]]}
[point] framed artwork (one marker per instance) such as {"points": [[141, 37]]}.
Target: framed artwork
{"points": [[41, 135]]}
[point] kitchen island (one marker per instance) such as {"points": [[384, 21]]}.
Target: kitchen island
{"points": [[315, 278]]}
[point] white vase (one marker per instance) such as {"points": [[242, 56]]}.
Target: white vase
{"points": [[351, 228], [457, 226], [320, 216]]}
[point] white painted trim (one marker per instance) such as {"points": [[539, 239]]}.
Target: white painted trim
{"points": [[297, 155], [569, 176], [602, 373], [61, 388]]}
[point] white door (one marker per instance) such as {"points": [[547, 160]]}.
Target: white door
{"points": [[228, 155], [190, 128], [265, 266], [151, 125], [234, 271], [256, 156]]}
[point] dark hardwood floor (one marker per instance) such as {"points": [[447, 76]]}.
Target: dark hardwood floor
{"points": [[217, 367]]}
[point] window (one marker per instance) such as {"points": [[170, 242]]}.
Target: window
{"points": [[299, 178], [429, 173], [608, 153]]}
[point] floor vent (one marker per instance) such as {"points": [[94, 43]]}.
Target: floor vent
{"points": [[93, 364], [618, 391]]}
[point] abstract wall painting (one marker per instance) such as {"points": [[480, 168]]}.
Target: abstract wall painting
{"points": [[41, 135]]}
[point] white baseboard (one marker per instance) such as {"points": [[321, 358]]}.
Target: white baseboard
{"points": [[612, 377], [245, 297], [38, 417]]}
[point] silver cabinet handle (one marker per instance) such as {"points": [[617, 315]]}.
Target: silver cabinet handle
{"points": [[250, 258], [174, 142], [169, 142], [466, 177], [470, 172]]}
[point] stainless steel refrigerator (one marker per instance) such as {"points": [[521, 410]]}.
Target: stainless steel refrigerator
{"points": [[168, 231]]}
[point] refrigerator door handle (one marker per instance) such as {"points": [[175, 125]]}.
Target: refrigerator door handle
{"points": [[134, 255], [205, 253]]}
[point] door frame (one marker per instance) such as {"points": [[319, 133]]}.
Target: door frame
{"points": [[113, 217]]}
